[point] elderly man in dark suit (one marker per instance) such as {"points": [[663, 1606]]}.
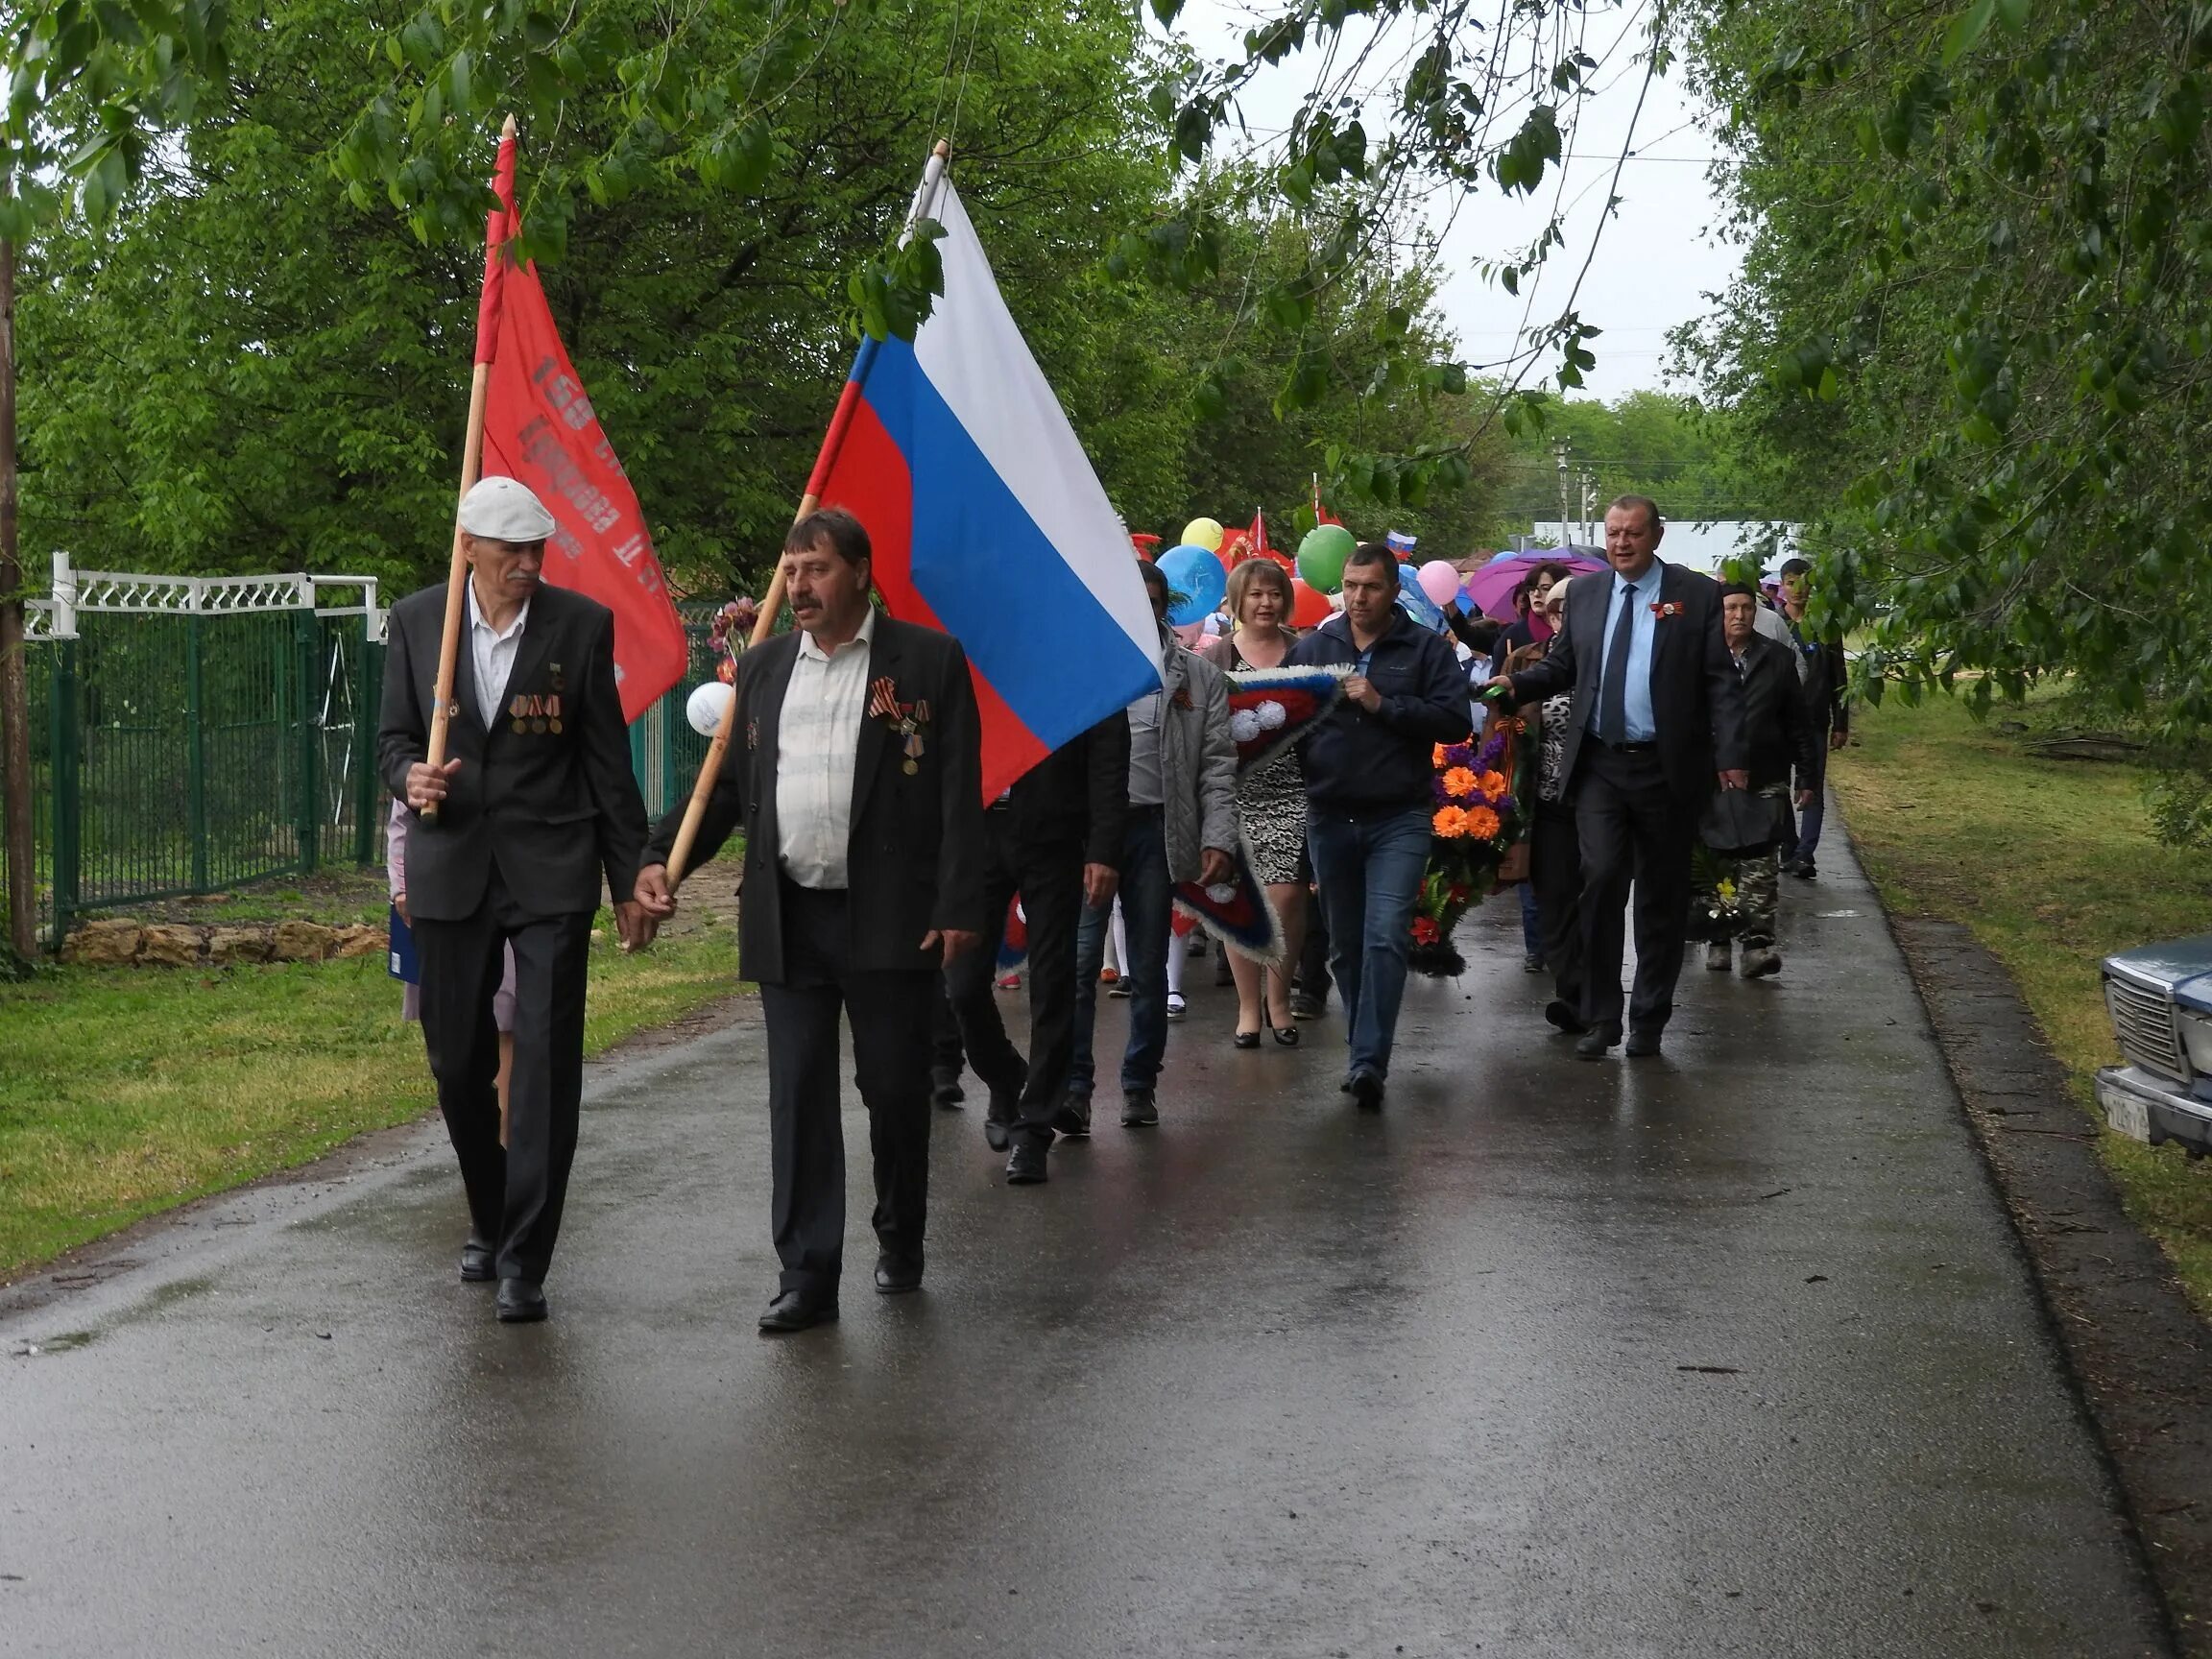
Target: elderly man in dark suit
{"points": [[856, 772], [1658, 714], [535, 802]]}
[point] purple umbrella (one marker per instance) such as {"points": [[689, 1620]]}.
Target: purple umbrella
{"points": [[1490, 590]]}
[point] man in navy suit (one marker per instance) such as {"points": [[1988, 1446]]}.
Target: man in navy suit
{"points": [[1658, 712]]}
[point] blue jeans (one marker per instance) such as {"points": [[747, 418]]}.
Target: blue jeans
{"points": [[1369, 871], [1531, 924], [1144, 892]]}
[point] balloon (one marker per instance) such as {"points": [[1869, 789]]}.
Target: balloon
{"points": [[1196, 583], [1322, 554], [707, 704], [1203, 533], [1440, 581], [1309, 604], [1415, 603], [1189, 633]]}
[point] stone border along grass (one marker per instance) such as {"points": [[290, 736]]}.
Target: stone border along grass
{"points": [[123, 943]]}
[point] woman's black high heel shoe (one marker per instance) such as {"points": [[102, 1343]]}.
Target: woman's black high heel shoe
{"points": [[1247, 1039], [1286, 1036]]}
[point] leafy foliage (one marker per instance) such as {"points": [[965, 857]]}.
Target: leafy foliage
{"points": [[1974, 328], [244, 370]]}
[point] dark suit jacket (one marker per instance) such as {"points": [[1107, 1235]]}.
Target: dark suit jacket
{"points": [[915, 856], [1080, 792], [1778, 730], [1697, 699], [552, 806]]}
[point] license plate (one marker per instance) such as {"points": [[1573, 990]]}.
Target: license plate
{"points": [[2125, 1113]]}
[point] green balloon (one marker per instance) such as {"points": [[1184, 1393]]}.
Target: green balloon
{"points": [[1321, 556]]}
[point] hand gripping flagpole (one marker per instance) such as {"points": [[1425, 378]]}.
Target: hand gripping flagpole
{"points": [[500, 227], [840, 422]]}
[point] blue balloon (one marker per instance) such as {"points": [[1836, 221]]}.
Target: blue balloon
{"points": [[1417, 604], [1196, 584]]}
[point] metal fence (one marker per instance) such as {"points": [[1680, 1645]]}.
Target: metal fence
{"points": [[192, 734]]}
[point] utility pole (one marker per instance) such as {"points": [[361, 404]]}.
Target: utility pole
{"points": [[1589, 500], [14, 701], [1562, 449]]}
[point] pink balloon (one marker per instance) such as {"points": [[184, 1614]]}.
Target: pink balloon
{"points": [[1439, 581], [1191, 633]]}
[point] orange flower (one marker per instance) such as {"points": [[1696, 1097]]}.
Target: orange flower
{"points": [[1451, 822], [1482, 823], [1460, 782], [1437, 757], [1493, 783]]}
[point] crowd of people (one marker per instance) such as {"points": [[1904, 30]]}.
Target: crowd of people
{"points": [[1674, 751]]}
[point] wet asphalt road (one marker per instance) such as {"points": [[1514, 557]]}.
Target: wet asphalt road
{"points": [[1727, 1354]]}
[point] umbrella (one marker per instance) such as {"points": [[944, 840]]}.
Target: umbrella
{"points": [[1490, 590]]}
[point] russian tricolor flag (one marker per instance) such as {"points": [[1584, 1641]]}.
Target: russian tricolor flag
{"points": [[987, 520]]}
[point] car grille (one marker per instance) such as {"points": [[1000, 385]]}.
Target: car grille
{"points": [[2142, 1021]]}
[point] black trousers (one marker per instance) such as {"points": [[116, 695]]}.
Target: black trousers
{"points": [[516, 1192], [1311, 977], [946, 1058], [890, 1013], [1555, 873], [1632, 830], [1048, 875]]}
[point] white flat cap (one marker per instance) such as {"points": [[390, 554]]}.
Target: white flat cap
{"points": [[505, 510]]}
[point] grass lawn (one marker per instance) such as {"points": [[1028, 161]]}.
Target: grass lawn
{"points": [[123, 1092], [2053, 865]]}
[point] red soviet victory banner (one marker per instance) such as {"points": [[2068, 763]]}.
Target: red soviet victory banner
{"points": [[538, 428]]}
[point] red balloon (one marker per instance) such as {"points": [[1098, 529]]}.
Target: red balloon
{"points": [[1308, 605]]}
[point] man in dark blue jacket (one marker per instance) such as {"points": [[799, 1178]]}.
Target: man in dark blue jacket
{"points": [[1370, 792]]}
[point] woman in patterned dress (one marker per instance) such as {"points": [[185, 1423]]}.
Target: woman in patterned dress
{"points": [[1270, 801]]}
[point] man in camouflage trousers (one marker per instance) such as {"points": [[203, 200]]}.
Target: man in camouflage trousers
{"points": [[1778, 738]]}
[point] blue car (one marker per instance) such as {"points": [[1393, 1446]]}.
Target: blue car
{"points": [[2160, 1000]]}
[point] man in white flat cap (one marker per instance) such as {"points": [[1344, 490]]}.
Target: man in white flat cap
{"points": [[535, 802]]}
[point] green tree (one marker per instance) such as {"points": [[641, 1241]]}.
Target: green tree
{"points": [[1974, 331]]}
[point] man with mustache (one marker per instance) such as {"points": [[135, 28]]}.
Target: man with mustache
{"points": [[856, 771]]}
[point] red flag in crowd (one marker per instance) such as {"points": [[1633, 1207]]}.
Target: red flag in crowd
{"points": [[538, 427]]}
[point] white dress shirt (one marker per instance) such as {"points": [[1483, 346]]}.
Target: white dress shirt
{"points": [[491, 654], [817, 744]]}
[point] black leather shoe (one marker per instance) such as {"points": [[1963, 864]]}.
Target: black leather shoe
{"points": [[1074, 1117], [1641, 1044], [1563, 1016], [1026, 1168], [998, 1120], [894, 1275], [791, 1310], [520, 1301], [945, 1091], [1286, 1036], [1247, 1039], [1305, 1006], [1366, 1091], [1139, 1109], [1592, 1043], [476, 1261]]}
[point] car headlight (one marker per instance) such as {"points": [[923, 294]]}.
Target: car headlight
{"points": [[2197, 1040]]}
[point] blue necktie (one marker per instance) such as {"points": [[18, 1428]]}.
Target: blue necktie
{"points": [[1613, 693]]}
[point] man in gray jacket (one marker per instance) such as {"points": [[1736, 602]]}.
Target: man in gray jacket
{"points": [[1182, 827]]}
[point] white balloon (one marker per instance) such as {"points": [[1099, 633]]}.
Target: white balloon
{"points": [[708, 705]]}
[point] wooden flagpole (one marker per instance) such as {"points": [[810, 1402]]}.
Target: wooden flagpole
{"points": [[457, 574], [833, 440]]}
